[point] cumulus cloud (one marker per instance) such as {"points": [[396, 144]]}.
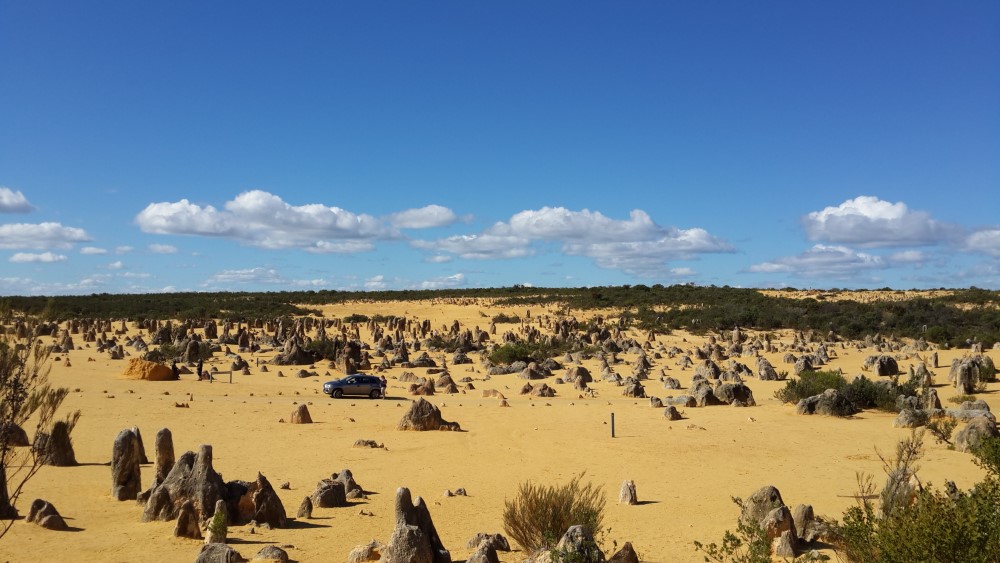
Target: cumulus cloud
{"points": [[985, 241], [868, 221], [423, 218], [376, 283], [123, 249], [93, 250], [40, 236], [913, 257], [45, 257], [259, 276], [262, 219], [116, 265], [163, 249], [13, 201], [454, 280], [438, 259], [822, 261], [682, 272], [636, 245], [28, 286]]}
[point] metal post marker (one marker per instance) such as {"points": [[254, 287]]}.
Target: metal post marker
{"points": [[612, 425]]}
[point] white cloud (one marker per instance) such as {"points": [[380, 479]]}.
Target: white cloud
{"points": [[117, 265], [423, 218], [869, 222], [454, 280], [163, 249], [909, 257], [821, 261], [376, 282], [261, 219], [40, 236], [45, 257], [28, 286], [986, 241], [93, 250], [13, 202], [438, 259], [485, 246], [135, 275], [259, 276], [682, 272], [636, 245], [250, 275], [124, 249]]}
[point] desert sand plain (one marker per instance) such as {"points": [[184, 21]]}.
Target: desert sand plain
{"points": [[685, 471]]}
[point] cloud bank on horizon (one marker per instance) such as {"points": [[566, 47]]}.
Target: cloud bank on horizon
{"points": [[855, 239]]}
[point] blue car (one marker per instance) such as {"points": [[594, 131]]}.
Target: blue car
{"points": [[357, 384]]}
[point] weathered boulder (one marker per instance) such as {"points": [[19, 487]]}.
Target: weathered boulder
{"points": [[578, 542], [306, 508], [191, 478], [164, 455], [140, 369], [627, 494], [56, 448], [972, 436], [329, 494], [260, 503], [734, 394], [425, 416], [626, 554], [301, 415], [496, 541], [365, 552], [16, 436], [187, 522], [766, 371], [218, 553], [125, 473], [760, 503], [910, 418], [414, 539], [829, 403], [45, 515], [271, 553], [670, 412]]}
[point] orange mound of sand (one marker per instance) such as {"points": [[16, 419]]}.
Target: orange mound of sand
{"points": [[150, 371]]}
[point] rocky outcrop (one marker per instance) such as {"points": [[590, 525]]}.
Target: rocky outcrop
{"points": [[425, 416], [414, 538], [125, 473]]}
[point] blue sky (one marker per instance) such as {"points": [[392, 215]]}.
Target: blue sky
{"points": [[195, 146]]}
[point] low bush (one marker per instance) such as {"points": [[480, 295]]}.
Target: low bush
{"points": [[505, 318], [540, 514], [926, 524], [809, 383]]}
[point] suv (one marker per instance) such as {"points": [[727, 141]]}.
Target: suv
{"points": [[356, 384]]}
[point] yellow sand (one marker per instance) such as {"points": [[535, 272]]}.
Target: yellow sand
{"points": [[685, 472]]}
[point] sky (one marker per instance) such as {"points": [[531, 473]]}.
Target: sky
{"points": [[263, 146]]}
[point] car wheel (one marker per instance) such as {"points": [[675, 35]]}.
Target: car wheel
{"points": [[375, 394], [337, 393]]}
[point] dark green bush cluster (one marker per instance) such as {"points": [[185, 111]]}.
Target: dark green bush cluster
{"points": [[809, 383], [505, 318], [324, 347], [526, 352], [861, 393], [540, 514], [935, 526], [356, 318]]}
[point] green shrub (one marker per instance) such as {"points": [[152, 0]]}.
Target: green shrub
{"points": [[809, 383], [748, 545], [867, 394], [356, 318], [505, 318], [927, 524], [526, 352], [988, 456], [959, 399], [539, 515]]}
